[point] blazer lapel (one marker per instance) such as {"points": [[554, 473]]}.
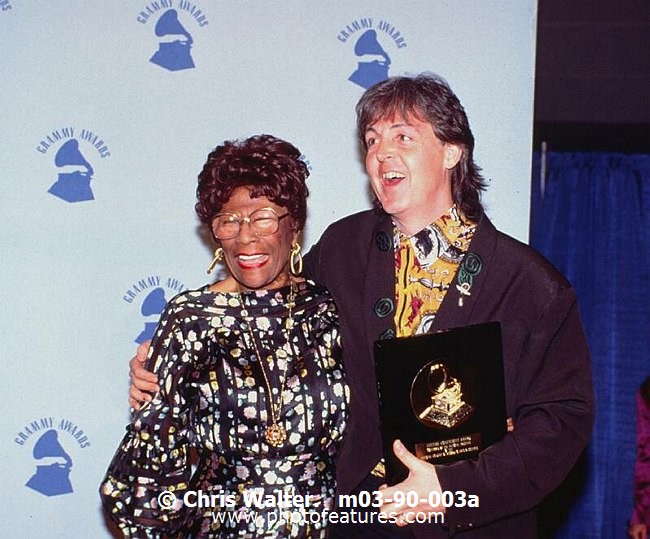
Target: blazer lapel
{"points": [[379, 292], [469, 281]]}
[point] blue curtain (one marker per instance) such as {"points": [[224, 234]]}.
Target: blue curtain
{"points": [[591, 219]]}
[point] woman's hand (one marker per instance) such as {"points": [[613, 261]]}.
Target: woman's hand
{"points": [[422, 479], [143, 383], [638, 531]]}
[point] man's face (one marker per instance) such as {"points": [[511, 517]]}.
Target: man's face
{"points": [[409, 169]]}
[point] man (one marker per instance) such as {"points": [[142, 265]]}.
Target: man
{"points": [[427, 258]]}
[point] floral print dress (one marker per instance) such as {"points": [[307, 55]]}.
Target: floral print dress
{"points": [[203, 433]]}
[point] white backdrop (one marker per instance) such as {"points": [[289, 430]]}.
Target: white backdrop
{"points": [[98, 90]]}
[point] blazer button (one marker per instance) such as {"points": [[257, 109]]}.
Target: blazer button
{"points": [[384, 307], [382, 241], [388, 334]]}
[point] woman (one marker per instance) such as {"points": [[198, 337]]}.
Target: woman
{"points": [[252, 390], [638, 525]]}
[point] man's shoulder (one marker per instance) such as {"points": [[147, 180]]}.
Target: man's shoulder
{"points": [[345, 242], [516, 257], [364, 219], [354, 230]]}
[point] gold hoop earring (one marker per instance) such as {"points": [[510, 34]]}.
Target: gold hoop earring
{"points": [[218, 255], [295, 259]]}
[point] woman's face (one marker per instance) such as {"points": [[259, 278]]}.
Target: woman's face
{"points": [[258, 262]]}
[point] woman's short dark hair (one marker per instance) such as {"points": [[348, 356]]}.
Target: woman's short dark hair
{"points": [[429, 98], [267, 165]]}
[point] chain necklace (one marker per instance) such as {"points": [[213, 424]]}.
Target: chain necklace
{"points": [[275, 433]]}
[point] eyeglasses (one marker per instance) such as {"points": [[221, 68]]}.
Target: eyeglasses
{"points": [[263, 222]]}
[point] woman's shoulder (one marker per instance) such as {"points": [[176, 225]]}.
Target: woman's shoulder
{"points": [[203, 302], [190, 296], [212, 299], [315, 299], [308, 290]]}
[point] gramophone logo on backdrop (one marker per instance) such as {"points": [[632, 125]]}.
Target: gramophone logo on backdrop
{"points": [[174, 51], [74, 170], [52, 441], [372, 40], [151, 294]]}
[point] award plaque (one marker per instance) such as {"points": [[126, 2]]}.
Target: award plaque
{"points": [[442, 394]]}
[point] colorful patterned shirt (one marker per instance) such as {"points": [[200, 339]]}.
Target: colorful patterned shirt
{"points": [[425, 266]]}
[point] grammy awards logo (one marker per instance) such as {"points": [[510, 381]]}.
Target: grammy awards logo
{"points": [[52, 462], [150, 295], [174, 52], [174, 45], [371, 42], [73, 180], [73, 170], [53, 465], [438, 398]]}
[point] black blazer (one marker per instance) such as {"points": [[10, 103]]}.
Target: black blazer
{"points": [[546, 366]]}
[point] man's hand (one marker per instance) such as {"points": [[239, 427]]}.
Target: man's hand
{"points": [[422, 479], [143, 383]]}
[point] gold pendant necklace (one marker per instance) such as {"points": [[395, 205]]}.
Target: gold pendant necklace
{"points": [[275, 434]]}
